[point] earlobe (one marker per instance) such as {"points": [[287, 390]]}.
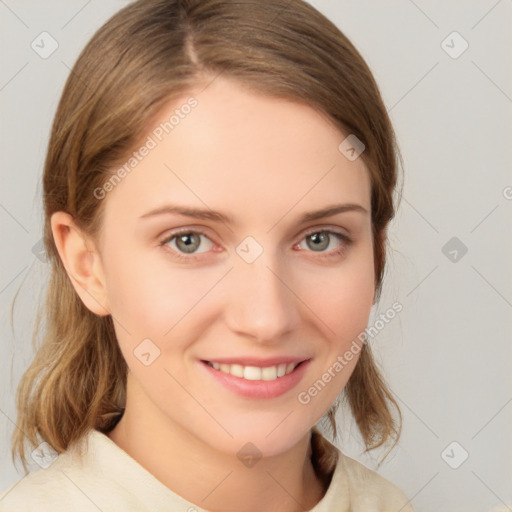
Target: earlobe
{"points": [[81, 261]]}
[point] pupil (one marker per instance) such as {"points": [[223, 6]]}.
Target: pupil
{"points": [[187, 240], [319, 237]]}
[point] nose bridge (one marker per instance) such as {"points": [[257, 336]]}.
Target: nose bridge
{"points": [[260, 304]]}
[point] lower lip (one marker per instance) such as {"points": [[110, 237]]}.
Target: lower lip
{"points": [[259, 388]]}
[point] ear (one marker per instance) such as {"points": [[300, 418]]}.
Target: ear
{"points": [[82, 263]]}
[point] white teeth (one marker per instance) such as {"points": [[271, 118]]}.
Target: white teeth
{"points": [[236, 369], [269, 373], [252, 373], [255, 372]]}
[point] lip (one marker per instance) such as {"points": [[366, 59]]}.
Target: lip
{"points": [[258, 389], [259, 362]]}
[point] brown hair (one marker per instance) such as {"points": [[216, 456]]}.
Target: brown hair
{"points": [[147, 54]]}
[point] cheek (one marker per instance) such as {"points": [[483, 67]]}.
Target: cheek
{"points": [[343, 304], [343, 297], [351, 306], [149, 295], [146, 293]]}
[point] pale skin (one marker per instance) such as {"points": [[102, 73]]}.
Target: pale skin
{"points": [[264, 162]]}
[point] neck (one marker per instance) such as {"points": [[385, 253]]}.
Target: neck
{"points": [[218, 481]]}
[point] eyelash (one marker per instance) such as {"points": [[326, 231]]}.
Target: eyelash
{"points": [[345, 240]]}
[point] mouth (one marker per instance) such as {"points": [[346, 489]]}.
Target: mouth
{"points": [[257, 379], [251, 372]]}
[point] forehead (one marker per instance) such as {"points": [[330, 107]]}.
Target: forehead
{"points": [[242, 152]]}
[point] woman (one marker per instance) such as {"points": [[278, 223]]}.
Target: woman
{"points": [[217, 188]]}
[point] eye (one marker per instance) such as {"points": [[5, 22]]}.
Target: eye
{"points": [[184, 244], [326, 241], [187, 242]]}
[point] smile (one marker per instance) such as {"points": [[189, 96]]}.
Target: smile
{"points": [[272, 378], [267, 373]]}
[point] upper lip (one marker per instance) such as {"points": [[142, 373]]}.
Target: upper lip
{"points": [[258, 362]]}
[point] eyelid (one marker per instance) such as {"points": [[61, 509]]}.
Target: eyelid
{"points": [[200, 230], [191, 257], [345, 241], [184, 231], [319, 229], [344, 238]]}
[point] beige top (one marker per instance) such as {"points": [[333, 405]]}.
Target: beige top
{"points": [[103, 477]]}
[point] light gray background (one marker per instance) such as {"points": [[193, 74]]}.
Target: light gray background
{"points": [[447, 355]]}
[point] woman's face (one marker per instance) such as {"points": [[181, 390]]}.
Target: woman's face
{"points": [[259, 288]]}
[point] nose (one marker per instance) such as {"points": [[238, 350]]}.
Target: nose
{"points": [[261, 303]]}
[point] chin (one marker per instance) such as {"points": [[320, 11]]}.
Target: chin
{"points": [[261, 438]]}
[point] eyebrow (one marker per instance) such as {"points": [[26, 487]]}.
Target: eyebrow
{"points": [[217, 216]]}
